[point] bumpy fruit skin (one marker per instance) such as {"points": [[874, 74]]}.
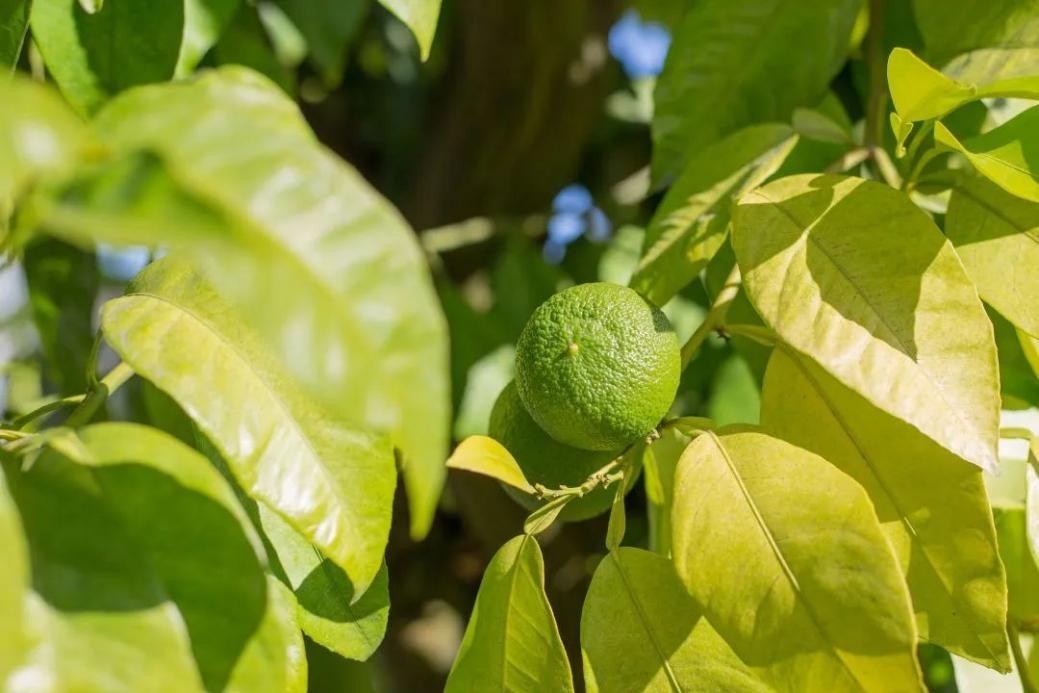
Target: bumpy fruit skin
{"points": [[545, 461], [597, 366]]}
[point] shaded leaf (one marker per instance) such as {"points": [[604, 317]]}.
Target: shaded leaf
{"points": [[932, 506], [542, 517], [659, 461], [691, 222], [487, 456], [1032, 500], [641, 631], [975, 25], [329, 611], [14, 24], [63, 284], [420, 16], [801, 584], [1007, 155], [852, 274], [329, 28], [334, 484], [93, 57], [204, 23], [246, 41], [326, 270], [1022, 569], [997, 236], [14, 581], [512, 641], [725, 60]]}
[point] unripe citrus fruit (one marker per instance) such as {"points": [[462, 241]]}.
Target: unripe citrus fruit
{"points": [[545, 461], [597, 366]]}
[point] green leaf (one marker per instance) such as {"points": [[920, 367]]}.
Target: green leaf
{"points": [[641, 631], [786, 556], [326, 269], [329, 611], [332, 483], [735, 396], [63, 284], [921, 92], [1032, 499], [93, 57], [976, 24], [852, 274], [275, 658], [692, 220], [512, 642], [725, 61], [247, 42], [659, 462], [14, 24], [39, 136], [14, 581], [487, 456], [932, 506], [1022, 569], [541, 518], [420, 16], [1007, 155], [329, 28], [204, 23], [141, 557], [997, 237]]}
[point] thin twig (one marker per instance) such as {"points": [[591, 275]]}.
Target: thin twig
{"points": [[715, 316], [1020, 661], [98, 395], [25, 419]]}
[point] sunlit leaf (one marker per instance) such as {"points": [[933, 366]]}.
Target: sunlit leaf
{"points": [[141, 558], [1007, 155], [332, 483], [275, 658], [204, 22], [852, 274], [324, 596], [786, 556], [14, 580], [420, 16], [512, 642], [326, 269], [641, 631], [931, 505], [691, 222], [487, 456], [975, 25], [95, 56], [997, 236], [725, 63]]}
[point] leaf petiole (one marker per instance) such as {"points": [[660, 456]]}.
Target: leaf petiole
{"points": [[1020, 661], [715, 317], [99, 394]]}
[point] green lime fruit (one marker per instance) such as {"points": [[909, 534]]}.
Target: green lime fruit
{"points": [[597, 366], [545, 461]]}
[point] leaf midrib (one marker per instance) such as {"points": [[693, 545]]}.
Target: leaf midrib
{"points": [[780, 558]]}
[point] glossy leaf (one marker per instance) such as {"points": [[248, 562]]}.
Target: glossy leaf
{"points": [[641, 631], [39, 135], [326, 270], [932, 506], [329, 611], [512, 642], [141, 558], [93, 57], [852, 274], [725, 61], [332, 483], [786, 556], [420, 16], [692, 220], [204, 22], [997, 237], [1007, 155], [487, 456], [14, 23], [14, 581]]}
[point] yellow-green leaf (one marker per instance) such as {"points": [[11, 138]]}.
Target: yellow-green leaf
{"points": [[855, 276], [786, 556], [487, 456], [331, 482], [997, 236], [1007, 155], [14, 580], [641, 631], [420, 16], [931, 505], [512, 642], [691, 222]]}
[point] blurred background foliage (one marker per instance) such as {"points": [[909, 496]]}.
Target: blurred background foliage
{"points": [[521, 151]]}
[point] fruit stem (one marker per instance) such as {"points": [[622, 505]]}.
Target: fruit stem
{"points": [[605, 476], [715, 316]]}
